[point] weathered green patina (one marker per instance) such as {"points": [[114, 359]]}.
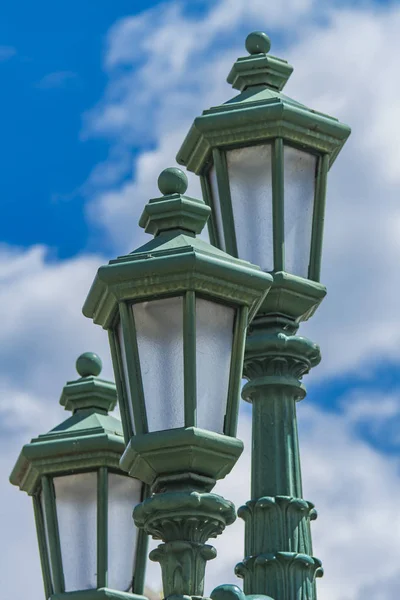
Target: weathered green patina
{"points": [[90, 440]]}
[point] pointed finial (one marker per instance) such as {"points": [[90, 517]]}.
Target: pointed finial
{"points": [[174, 210], [172, 181], [259, 68], [258, 42], [89, 391], [89, 364]]}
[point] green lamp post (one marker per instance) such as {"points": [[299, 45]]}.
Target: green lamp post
{"points": [[176, 311], [263, 160], [89, 547]]}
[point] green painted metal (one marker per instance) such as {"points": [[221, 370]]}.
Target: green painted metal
{"points": [[120, 384], [42, 543], [279, 559], [133, 367], [184, 520], [189, 358], [88, 364], [235, 374], [89, 440], [209, 200], [278, 204], [142, 544], [50, 513], [318, 219], [225, 201], [233, 592], [185, 450], [102, 527], [99, 594]]}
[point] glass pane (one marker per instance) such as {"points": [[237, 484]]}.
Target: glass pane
{"points": [[76, 502], [217, 208], [214, 337], [250, 183], [123, 495], [125, 374], [299, 168], [159, 327]]}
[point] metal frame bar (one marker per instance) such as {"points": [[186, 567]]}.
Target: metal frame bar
{"points": [[278, 207], [221, 170], [189, 358], [42, 543], [120, 383], [235, 373], [49, 503], [314, 269], [102, 527], [133, 366], [209, 200]]}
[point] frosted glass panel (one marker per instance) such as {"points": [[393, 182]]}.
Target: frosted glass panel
{"points": [[125, 368], [76, 502], [159, 326], [217, 207], [214, 337], [299, 202], [250, 182], [123, 495]]}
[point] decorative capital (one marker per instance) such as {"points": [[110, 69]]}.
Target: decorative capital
{"points": [[277, 359]]}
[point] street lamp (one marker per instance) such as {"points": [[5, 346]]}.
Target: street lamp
{"points": [[263, 160], [176, 311], [89, 547]]}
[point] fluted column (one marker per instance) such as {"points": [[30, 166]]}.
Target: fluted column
{"points": [[279, 559]]}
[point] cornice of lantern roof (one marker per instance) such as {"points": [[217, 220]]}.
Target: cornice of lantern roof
{"points": [[174, 261], [258, 114]]}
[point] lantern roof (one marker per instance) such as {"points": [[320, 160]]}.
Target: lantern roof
{"points": [[259, 113], [174, 261], [90, 438]]}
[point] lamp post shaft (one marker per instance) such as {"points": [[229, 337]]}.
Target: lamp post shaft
{"points": [[278, 544]]}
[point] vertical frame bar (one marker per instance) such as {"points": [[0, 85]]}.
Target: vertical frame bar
{"points": [[120, 384], [189, 358], [50, 513], [140, 562], [278, 204], [209, 200], [235, 373], [43, 551], [224, 192], [102, 527], [133, 367], [314, 270]]}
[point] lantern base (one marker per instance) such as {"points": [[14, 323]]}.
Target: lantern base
{"points": [[98, 594], [181, 452]]}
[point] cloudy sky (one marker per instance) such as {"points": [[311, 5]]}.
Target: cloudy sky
{"points": [[96, 99]]}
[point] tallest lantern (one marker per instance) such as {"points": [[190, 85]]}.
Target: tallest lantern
{"points": [[263, 160]]}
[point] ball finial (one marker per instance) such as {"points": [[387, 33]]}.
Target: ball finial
{"points": [[258, 42], [172, 181], [88, 364]]}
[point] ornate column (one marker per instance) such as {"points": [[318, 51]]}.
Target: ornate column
{"points": [[279, 558], [184, 521]]}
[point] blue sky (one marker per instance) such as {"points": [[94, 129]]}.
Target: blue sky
{"points": [[95, 103]]}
